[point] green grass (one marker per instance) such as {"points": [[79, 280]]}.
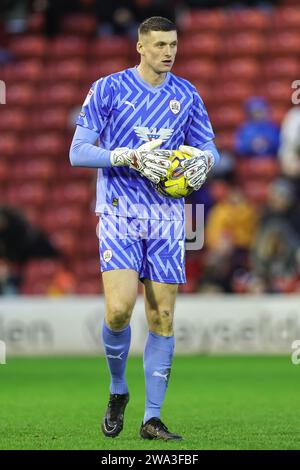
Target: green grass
{"points": [[215, 402]]}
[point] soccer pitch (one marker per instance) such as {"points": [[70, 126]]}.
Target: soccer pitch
{"points": [[215, 402]]}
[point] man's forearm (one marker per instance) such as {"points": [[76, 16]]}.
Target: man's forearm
{"points": [[84, 153]]}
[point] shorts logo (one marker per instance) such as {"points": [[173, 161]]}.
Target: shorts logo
{"points": [[107, 255], [175, 106]]}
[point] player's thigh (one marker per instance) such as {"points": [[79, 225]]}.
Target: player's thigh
{"points": [[160, 305], [120, 291]]}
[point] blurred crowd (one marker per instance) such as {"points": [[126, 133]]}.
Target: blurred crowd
{"points": [[252, 247], [252, 199], [115, 17]]}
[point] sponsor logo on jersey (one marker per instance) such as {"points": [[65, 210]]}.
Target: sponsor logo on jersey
{"points": [[146, 134], [175, 106], [88, 97]]}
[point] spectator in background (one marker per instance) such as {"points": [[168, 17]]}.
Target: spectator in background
{"points": [[289, 151], [230, 230], [258, 136], [275, 253], [124, 16], [19, 242]]}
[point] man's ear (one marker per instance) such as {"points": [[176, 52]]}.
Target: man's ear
{"points": [[140, 48]]}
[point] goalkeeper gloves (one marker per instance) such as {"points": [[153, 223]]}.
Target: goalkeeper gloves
{"points": [[196, 167], [151, 163]]}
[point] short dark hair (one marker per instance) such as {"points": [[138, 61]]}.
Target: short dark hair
{"points": [[156, 23]]}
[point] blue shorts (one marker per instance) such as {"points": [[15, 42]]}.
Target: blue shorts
{"points": [[153, 248]]}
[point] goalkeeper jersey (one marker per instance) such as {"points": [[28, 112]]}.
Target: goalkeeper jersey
{"points": [[126, 111]]}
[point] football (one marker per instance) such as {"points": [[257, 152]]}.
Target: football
{"points": [[175, 184]]}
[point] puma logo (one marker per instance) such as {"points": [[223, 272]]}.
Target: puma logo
{"points": [[130, 104], [158, 374], [110, 356]]}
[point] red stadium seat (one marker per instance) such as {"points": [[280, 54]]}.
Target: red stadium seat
{"points": [[67, 46], [33, 170], [49, 119], [199, 44], [226, 117], [233, 92], [264, 169], [203, 20], [27, 194], [91, 286], [30, 70], [12, 119], [244, 19], [69, 69], [245, 44], [225, 140], [80, 24], [60, 93], [284, 43], [278, 111], [28, 46], [66, 241], [48, 144], [287, 67], [106, 67], [205, 91], [277, 91], [89, 246], [20, 94], [9, 144], [76, 192], [4, 171], [287, 18], [109, 48], [196, 69], [65, 217], [87, 268], [43, 270], [242, 69]]}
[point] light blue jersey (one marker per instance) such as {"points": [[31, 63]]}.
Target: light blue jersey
{"points": [[126, 112]]}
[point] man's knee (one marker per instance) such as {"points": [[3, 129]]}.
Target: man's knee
{"points": [[118, 316]]}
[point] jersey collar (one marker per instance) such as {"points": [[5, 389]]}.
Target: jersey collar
{"points": [[146, 84]]}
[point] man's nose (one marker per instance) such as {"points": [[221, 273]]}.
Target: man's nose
{"points": [[168, 51]]}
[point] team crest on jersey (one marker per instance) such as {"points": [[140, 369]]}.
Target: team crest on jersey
{"points": [[107, 255], [175, 106], [146, 134]]}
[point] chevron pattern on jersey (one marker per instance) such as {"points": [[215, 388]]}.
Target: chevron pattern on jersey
{"points": [[121, 108]]}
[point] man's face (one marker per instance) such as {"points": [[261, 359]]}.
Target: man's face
{"points": [[158, 49]]}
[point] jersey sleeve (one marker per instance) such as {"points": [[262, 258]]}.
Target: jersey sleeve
{"points": [[199, 130], [96, 107]]}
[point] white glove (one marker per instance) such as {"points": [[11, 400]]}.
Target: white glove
{"points": [[151, 163], [196, 167]]}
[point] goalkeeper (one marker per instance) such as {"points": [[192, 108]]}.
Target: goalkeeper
{"points": [[136, 116]]}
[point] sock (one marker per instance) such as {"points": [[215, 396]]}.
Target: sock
{"points": [[158, 355], [116, 345]]}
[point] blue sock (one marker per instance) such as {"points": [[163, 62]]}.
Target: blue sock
{"points": [[116, 345], [158, 357]]}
